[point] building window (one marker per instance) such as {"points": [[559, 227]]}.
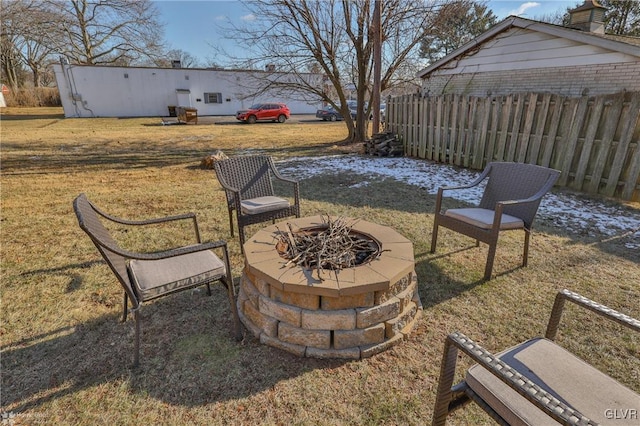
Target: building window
{"points": [[213, 98]]}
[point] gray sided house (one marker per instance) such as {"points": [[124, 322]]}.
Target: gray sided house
{"points": [[105, 91], [520, 55], [531, 92]]}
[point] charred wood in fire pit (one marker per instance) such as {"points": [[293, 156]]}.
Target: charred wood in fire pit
{"points": [[333, 246]]}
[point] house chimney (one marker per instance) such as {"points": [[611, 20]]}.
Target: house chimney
{"points": [[588, 17]]}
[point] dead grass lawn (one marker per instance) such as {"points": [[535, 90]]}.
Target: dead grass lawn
{"points": [[65, 356]]}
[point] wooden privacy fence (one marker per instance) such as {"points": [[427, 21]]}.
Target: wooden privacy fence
{"points": [[593, 141]]}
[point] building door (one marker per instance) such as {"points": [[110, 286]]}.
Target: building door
{"points": [[184, 97]]}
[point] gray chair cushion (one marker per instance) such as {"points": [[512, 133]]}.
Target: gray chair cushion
{"points": [[263, 204], [483, 218], [153, 278], [563, 375]]}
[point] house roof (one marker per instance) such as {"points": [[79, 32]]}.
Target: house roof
{"points": [[622, 44]]}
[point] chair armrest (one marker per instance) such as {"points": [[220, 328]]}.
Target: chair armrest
{"points": [[564, 295], [543, 400], [226, 186], [441, 190], [277, 175], [153, 221], [167, 253], [476, 182]]}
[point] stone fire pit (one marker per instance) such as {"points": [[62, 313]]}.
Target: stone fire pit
{"points": [[352, 313]]}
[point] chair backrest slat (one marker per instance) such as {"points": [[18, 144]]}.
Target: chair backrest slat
{"points": [[89, 221], [250, 174]]}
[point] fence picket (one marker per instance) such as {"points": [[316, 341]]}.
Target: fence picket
{"points": [[504, 126], [453, 140], [432, 119], [571, 140], [466, 159], [628, 127], [462, 134], [587, 145], [437, 138], [553, 132], [493, 131], [523, 144], [446, 129], [479, 148], [536, 141], [611, 123], [515, 129]]}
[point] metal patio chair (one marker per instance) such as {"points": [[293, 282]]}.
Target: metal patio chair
{"points": [[510, 201], [537, 382], [248, 184], [148, 276]]}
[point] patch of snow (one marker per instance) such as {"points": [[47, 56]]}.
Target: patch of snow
{"points": [[564, 210]]}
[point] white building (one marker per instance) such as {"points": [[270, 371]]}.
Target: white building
{"points": [[106, 91]]}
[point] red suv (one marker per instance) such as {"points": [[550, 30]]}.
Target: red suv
{"points": [[264, 112]]}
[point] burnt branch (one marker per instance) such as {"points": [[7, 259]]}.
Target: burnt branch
{"points": [[332, 246]]}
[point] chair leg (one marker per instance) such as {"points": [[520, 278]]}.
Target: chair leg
{"points": [[136, 355], [492, 254], [208, 289], [434, 235], [234, 308], [241, 235], [231, 221], [525, 254], [124, 310], [447, 372]]}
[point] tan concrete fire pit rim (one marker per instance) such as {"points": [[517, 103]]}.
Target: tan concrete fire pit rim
{"points": [[395, 261]]}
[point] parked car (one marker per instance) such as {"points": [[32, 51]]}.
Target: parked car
{"points": [[264, 112], [329, 113], [353, 107]]}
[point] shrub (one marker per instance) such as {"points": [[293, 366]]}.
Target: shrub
{"points": [[33, 97]]}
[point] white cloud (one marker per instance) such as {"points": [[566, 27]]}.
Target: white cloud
{"points": [[221, 18], [524, 7], [249, 17]]}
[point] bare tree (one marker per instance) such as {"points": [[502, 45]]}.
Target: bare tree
{"points": [[12, 67], [107, 31], [26, 34], [334, 37]]}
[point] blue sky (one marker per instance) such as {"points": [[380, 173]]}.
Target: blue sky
{"points": [[194, 25]]}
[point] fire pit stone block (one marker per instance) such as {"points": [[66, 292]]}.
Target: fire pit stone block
{"points": [[300, 336], [343, 339], [343, 319]]}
